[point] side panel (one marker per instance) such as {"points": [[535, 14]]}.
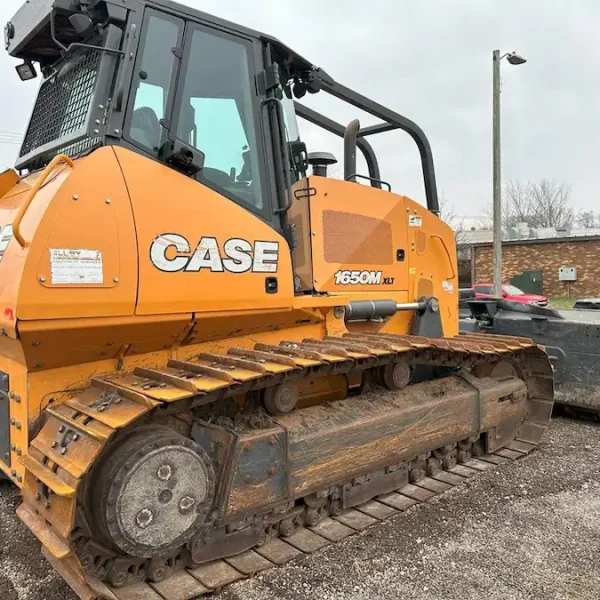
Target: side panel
{"points": [[432, 263], [299, 219], [82, 258], [198, 250], [359, 239]]}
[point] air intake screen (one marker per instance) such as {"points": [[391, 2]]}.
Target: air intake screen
{"points": [[352, 239], [63, 103]]}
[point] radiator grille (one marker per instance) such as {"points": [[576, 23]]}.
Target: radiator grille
{"points": [[63, 103], [352, 239]]}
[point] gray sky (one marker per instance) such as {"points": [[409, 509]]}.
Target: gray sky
{"points": [[430, 60]]}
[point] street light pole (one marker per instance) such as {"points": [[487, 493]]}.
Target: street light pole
{"points": [[497, 212], [514, 59]]}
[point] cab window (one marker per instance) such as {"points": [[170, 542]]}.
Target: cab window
{"points": [[218, 113], [155, 78]]}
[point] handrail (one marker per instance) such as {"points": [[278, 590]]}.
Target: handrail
{"points": [[34, 190]]}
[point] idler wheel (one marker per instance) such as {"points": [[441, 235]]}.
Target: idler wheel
{"points": [[152, 492]]}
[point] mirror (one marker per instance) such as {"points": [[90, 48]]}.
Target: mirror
{"points": [[299, 156], [82, 24]]}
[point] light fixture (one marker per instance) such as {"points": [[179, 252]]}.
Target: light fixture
{"points": [[515, 59], [9, 34], [26, 71], [82, 24]]}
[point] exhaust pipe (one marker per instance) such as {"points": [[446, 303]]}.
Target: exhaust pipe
{"points": [[350, 141]]}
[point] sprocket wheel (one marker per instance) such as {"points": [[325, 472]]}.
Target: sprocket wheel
{"points": [[152, 492]]}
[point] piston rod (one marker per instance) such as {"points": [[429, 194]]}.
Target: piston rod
{"points": [[367, 310]]}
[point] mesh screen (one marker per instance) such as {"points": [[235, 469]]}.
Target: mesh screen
{"points": [[63, 103], [80, 148], [353, 239]]}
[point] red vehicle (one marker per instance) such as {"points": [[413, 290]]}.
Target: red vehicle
{"points": [[509, 292]]}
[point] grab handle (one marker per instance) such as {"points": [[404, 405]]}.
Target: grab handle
{"points": [[34, 190]]}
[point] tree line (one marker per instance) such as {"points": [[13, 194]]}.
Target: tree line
{"points": [[540, 204]]}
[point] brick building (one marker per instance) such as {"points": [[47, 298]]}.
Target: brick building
{"points": [[542, 250]]}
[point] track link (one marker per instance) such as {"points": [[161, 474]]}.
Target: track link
{"points": [[76, 432]]}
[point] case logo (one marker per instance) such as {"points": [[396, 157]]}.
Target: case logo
{"points": [[172, 253]]}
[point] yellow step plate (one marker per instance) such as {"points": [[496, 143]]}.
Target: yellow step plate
{"points": [[107, 407], [55, 545], [47, 477], [158, 390]]}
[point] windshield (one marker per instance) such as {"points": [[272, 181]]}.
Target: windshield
{"points": [[513, 291]]}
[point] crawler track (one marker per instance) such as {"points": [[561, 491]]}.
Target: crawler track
{"points": [[76, 433]]}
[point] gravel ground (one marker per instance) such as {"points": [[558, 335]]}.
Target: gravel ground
{"points": [[527, 531]]}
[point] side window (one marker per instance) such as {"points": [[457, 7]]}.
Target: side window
{"points": [[155, 75], [218, 114], [483, 289]]}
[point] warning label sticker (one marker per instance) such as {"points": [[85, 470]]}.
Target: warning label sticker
{"points": [[76, 266], [415, 221]]}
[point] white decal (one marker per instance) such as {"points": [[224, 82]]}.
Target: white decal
{"points": [[415, 221], [448, 286], [239, 252], [359, 278], [207, 256], [158, 252], [266, 255], [172, 253], [68, 266]]}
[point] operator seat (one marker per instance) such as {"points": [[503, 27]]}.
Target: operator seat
{"points": [[145, 127]]}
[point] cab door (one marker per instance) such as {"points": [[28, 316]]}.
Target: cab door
{"points": [[205, 243]]}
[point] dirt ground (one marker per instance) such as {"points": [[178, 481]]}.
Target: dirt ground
{"points": [[527, 531]]}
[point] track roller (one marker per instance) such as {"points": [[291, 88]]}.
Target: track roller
{"points": [[281, 399], [396, 375]]}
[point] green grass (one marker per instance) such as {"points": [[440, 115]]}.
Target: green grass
{"points": [[562, 302]]}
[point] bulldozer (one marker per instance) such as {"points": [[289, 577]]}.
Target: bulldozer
{"points": [[214, 356]]}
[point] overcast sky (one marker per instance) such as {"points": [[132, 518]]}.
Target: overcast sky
{"points": [[430, 60]]}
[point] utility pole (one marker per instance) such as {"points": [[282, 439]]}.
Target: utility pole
{"points": [[514, 59], [497, 212]]}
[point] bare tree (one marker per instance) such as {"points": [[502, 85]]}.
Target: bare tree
{"points": [[550, 202], [517, 204], [587, 219], [539, 204], [449, 216]]}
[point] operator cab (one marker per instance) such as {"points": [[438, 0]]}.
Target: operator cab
{"points": [[214, 100]]}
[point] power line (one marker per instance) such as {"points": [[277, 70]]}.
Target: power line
{"points": [[10, 134], [9, 137]]}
